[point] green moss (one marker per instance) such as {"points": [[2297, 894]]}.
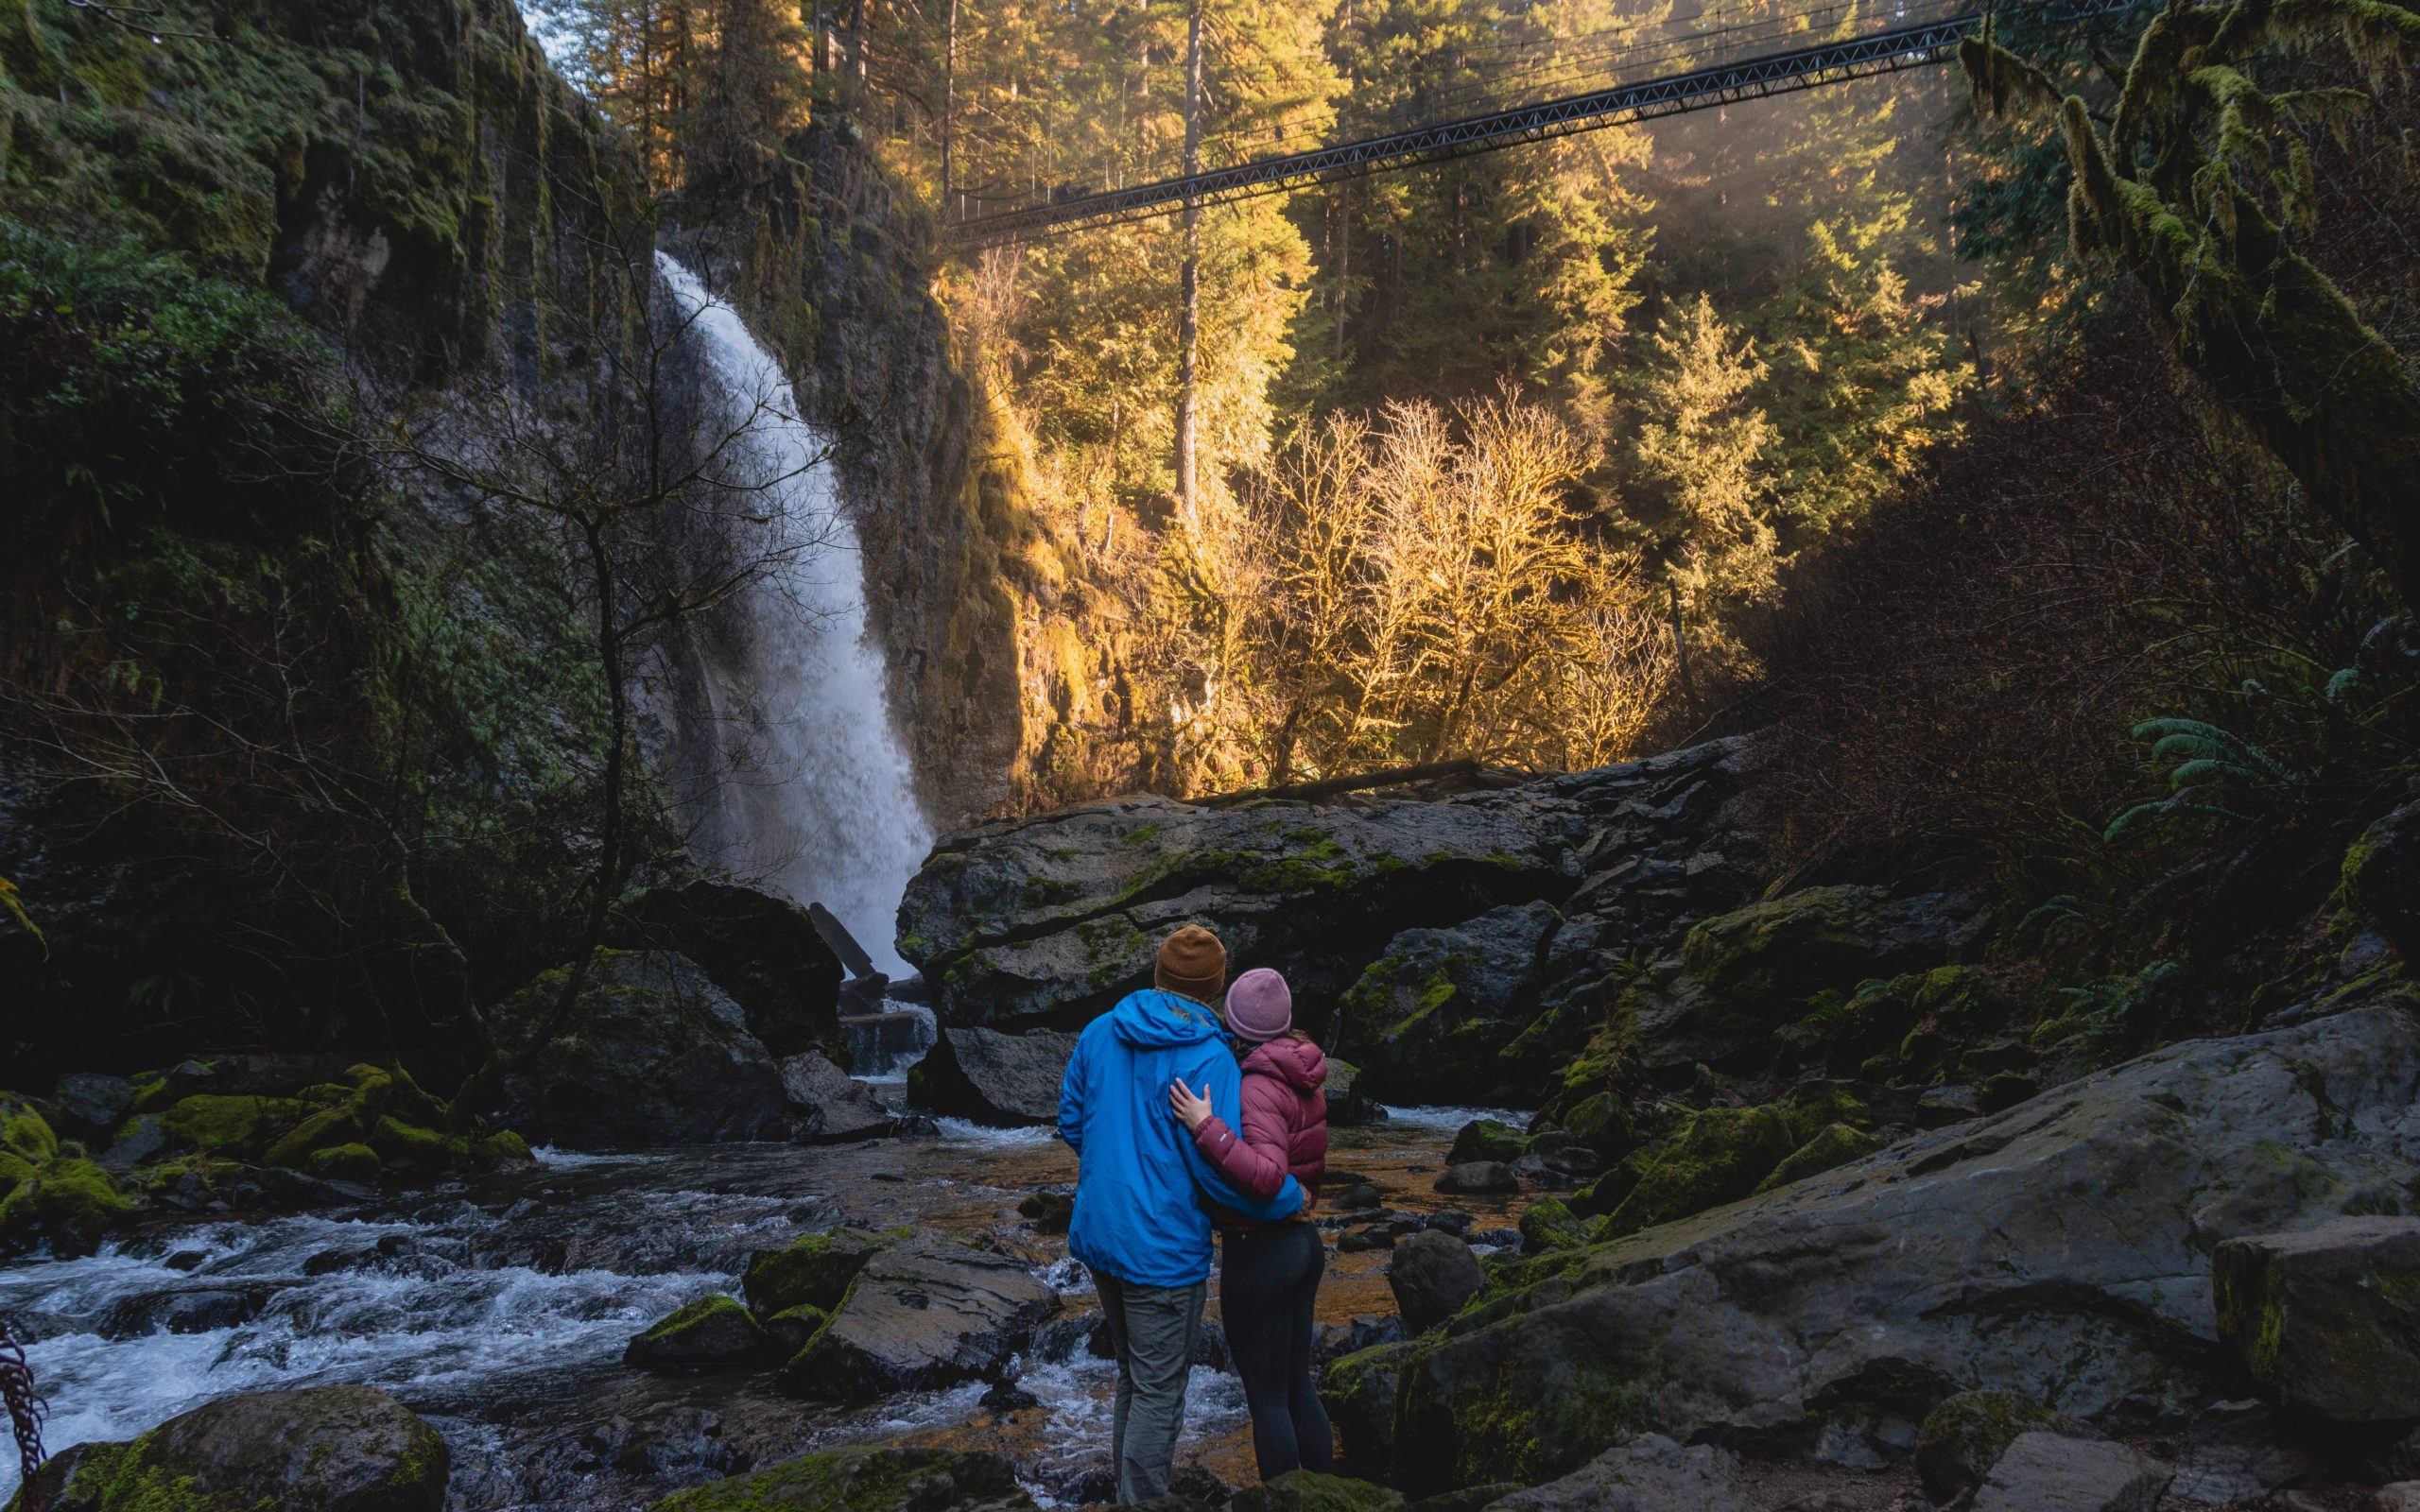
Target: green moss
{"points": [[70, 1203], [1487, 1138], [1548, 1224], [1712, 1156], [343, 1162], [1835, 1145], [814, 1269], [864, 1479], [219, 1124], [321, 1130], [23, 1132], [395, 1139], [1310, 1491], [690, 1317]]}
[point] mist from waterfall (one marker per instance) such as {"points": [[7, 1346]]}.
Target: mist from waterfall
{"points": [[813, 792]]}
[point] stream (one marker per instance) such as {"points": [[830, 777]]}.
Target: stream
{"points": [[499, 1310]]}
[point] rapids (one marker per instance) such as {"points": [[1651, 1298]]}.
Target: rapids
{"points": [[499, 1310]]}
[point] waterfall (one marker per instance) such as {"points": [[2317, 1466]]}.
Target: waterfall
{"points": [[813, 793]]}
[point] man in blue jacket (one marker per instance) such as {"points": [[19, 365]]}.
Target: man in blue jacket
{"points": [[1139, 1226]]}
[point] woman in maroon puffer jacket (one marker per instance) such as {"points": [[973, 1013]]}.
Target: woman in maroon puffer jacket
{"points": [[1268, 1273]]}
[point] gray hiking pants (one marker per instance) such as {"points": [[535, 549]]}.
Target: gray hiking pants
{"points": [[1154, 1330]]}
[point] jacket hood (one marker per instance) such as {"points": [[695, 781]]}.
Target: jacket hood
{"points": [[1152, 1019], [1297, 1062]]}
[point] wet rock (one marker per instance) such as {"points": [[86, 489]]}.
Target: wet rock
{"points": [[2237, 1451], [1359, 1391], [2399, 1496], [1309, 1492], [2381, 875], [1439, 1017], [140, 1140], [1366, 1238], [1834, 1146], [1469, 1498], [1432, 1275], [1487, 1138], [2328, 1318], [1333, 1341], [794, 1327], [325, 1448], [762, 951], [1051, 1212], [2055, 1251], [653, 1054], [877, 1479], [90, 1106], [1966, 1434], [1650, 1474], [1004, 1079], [813, 1270], [197, 1311], [1349, 1104], [1479, 1176], [1741, 975], [2050, 1472], [1359, 1197], [1550, 1223], [712, 1330], [827, 1105], [1008, 1396], [880, 1040], [925, 1314]]}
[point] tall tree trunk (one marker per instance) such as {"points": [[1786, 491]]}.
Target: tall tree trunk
{"points": [[949, 101], [857, 42], [1681, 646], [1190, 336]]}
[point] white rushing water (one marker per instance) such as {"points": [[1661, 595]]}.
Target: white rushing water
{"points": [[817, 796]]}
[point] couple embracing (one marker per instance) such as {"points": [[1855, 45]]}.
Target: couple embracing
{"points": [[1177, 1138]]}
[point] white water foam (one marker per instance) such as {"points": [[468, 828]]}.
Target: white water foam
{"points": [[423, 1329], [1452, 1119], [818, 801]]}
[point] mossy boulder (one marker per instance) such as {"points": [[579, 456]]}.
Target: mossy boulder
{"points": [[925, 1314], [2382, 877], [814, 1270], [67, 1203], [1051, 1212], [1359, 1392], [1714, 1156], [875, 1479], [1487, 1138], [342, 1162], [2327, 1319], [1603, 1122], [238, 1127], [1437, 1017], [712, 1330], [1550, 1223], [1310, 1491], [793, 1329], [652, 1053], [1834, 1144], [1962, 1436], [346, 1449], [322, 1130]]}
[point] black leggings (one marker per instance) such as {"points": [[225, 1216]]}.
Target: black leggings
{"points": [[1269, 1281]]}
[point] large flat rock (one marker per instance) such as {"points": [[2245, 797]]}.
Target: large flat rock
{"points": [[2060, 1250], [926, 1314]]}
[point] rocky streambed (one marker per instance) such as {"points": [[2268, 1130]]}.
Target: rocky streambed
{"points": [[500, 1309]]}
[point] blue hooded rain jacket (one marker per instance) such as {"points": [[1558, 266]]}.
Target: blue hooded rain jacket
{"points": [[1137, 1215]]}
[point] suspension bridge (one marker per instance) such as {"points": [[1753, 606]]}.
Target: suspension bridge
{"points": [[1717, 69]]}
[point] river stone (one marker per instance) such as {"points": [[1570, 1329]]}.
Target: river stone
{"points": [[196, 1309], [90, 1105], [1349, 1103], [1310, 1491], [1432, 1274], [991, 1077], [1437, 1017], [1479, 1176], [926, 1314], [322, 1449], [2055, 1250], [1359, 1392], [1649, 1474], [1965, 1436], [827, 1105], [708, 1331], [653, 1052], [2050, 1472], [813, 1270], [874, 1479], [761, 950], [2328, 1318], [1487, 1138]]}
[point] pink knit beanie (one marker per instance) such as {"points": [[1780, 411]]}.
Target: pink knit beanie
{"points": [[1258, 1005]]}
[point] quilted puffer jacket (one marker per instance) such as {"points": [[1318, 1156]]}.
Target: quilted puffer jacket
{"points": [[1285, 1132]]}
